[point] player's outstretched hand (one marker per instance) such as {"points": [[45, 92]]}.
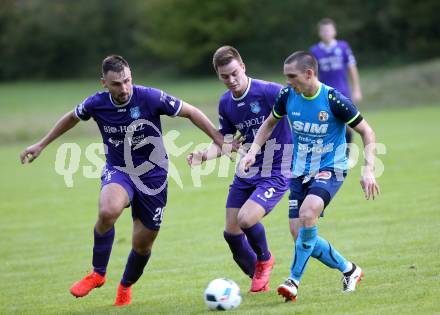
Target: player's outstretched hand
{"points": [[369, 184], [231, 144], [195, 158], [247, 161], [31, 153]]}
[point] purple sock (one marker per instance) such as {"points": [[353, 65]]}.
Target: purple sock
{"points": [[102, 249], [134, 268], [242, 253], [257, 239]]}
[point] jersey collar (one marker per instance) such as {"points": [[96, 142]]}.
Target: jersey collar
{"points": [[309, 98], [330, 46], [245, 92], [121, 105]]}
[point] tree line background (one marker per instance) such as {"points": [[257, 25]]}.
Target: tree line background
{"points": [[62, 38]]}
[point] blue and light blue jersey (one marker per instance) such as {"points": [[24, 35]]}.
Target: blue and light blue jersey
{"points": [[318, 126]]}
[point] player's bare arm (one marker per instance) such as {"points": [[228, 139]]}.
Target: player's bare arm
{"points": [[198, 157], [214, 151], [355, 81], [261, 137], [67, 122], [199, 119], [368, 180]]}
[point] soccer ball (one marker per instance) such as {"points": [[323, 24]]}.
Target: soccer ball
{"points": [[222, 294]]}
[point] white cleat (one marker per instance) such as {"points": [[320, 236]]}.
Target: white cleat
{"points": [[349, 282], [288, 290]]}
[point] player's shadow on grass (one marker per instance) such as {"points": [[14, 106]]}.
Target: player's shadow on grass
{"points": [[107, 309], [265, 303]]}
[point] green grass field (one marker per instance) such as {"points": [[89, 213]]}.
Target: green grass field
{"points": [[46, 228]]}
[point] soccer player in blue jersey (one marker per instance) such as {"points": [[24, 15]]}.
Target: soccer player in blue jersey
{"points": [[318, 116], [336, 60], [128, 117], [243, 108]]}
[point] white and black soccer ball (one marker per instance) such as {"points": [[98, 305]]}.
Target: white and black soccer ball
{"points": [[222, 294]]}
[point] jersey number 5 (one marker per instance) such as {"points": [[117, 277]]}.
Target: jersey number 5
{"points": [[269, 192]]}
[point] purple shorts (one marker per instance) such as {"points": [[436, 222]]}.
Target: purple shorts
{"points": [[325, 185], [266, 191], [148, 197]]}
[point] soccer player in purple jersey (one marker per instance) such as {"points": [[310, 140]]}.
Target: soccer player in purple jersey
{"points": [[128, 117], [243, 108], [336, 59]]}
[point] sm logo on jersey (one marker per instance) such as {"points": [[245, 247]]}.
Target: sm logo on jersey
{"points": [[310, 127]]}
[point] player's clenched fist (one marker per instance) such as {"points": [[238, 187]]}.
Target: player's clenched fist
{"points": [[247, 161], [31, 153]]}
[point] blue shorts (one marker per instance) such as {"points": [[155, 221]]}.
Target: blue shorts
{"points": [[147, 207], [325, 184], [266, 191]]}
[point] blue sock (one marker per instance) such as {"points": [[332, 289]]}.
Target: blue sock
{"points": [[102, 249], [329, 256], [257, 239], [304, 245], [242, 253], [134, 268]]}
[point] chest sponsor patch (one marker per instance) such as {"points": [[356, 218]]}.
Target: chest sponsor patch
{"points": [[255, 107], [323, 116], [135, 112]]}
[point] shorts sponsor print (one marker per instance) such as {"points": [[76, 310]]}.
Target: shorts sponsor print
{"points": [[325, 184]]}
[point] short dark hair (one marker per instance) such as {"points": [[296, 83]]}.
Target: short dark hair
{"points": [[113, 63], [304, 61], [326, 21], [224, 55]]}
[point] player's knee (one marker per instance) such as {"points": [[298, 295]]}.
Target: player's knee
{"points": [[142, 245], [307, 216], [142, 249], [232, 227], [245, 221], [109, 213], [294, 233]]}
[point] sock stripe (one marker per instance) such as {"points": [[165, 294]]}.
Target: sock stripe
{"points": [[331, 253], [294, 260], [305, 263]]}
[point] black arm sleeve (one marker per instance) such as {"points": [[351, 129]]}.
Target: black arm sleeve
{"points": [[344, 109], [279, 108]]}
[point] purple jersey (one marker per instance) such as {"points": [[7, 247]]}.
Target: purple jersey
{"points": [[137, 121], [333, 63], [247, 113]]}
